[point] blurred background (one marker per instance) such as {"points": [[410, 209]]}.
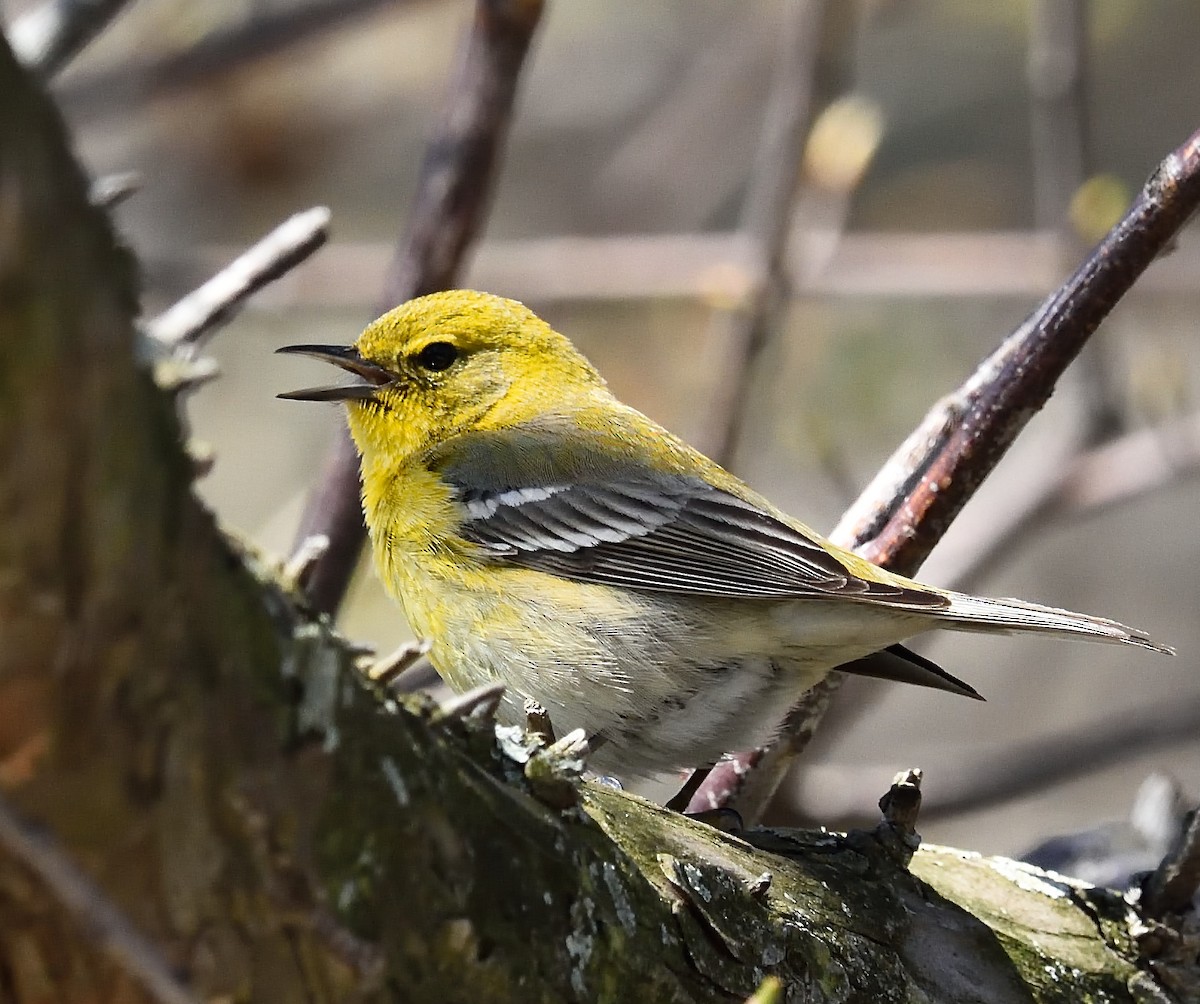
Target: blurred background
{"points": [[961, 159]]}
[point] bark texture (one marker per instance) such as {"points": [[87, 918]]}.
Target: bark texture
{"points": [[211, 758]]}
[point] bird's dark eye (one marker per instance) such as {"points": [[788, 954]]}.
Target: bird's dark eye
{"points": [[437, 356]]}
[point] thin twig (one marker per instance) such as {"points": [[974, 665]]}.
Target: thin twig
{"points": [[766, 219], [268, 30], [88, 905], [457, 178], [1119, 471], [48, 37], [710, 267], [387, 671], [1058, 113], [914, 498], [966, 434], [203, 310], [1062, 162]]}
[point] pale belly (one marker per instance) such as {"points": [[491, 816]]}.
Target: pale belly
{"points": [[660, 681]]}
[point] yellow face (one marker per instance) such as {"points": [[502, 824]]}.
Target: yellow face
{"points": [[445, 363]]}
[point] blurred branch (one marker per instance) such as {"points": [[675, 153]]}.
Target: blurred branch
{"points": [[1058, 116], [456, 181], [838, 794], [1062, 162], [1119, 471], [48, 37], [928, 480], [914, 498], [714, 267], [216, 302], [91, 909], [767, 215], [266, 31]]}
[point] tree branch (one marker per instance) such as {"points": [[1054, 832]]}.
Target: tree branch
{"points": [[92, 910], [48, 37], [194, 318], [767, 215], [284, 832], [456, 182], [912, 501]]}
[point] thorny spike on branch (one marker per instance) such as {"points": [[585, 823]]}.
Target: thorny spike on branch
{"points": [[457, 177], [914, 498]]}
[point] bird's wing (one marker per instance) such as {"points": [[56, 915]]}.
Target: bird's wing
{"points": [[647, 530]]}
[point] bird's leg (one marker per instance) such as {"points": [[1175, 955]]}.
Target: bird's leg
{"points": [[680, 800]]}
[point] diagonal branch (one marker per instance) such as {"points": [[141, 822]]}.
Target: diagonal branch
{"points": [[91, 908], [914, 498], [48, 37], [456, 182], [766, 219], [197, 315]]}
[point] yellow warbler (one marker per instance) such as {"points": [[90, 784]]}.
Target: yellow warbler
{"points": [[541, 533]]}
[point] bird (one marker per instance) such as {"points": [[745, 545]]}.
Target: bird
{"points": [[542, 534]]}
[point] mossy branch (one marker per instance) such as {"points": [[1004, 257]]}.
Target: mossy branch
{"points": [[217, 764]]}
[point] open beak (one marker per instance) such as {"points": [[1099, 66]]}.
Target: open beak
{"points": [[347, 357]]}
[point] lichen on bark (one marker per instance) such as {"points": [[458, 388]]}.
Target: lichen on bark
{"points": [[209, 754]]}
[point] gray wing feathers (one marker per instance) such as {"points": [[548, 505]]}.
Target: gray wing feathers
{"points": [[671, 534]]}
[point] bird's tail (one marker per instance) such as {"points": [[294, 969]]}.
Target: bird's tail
{"points": [[981, 613]]}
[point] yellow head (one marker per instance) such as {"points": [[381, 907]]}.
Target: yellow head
{"points": [[444, 363]]}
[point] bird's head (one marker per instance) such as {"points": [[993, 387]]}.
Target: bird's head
{"points": [[447, 363]]}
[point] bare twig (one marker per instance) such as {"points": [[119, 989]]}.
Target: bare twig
{"points": [[537, 722], [913, 499], [1061, 153], [387, 670], [88, 905], [766, 219], [452, 196], [215, 303], [269, 29], [967, 433], [901, 803], [50, 36], [1058, 116], [1117, 472], [712, 267], [479, 703], [296, 569], [896, 834]]}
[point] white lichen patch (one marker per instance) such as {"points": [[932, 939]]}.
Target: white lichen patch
{"points": [[318, 666], [1035, 880], [581, 941], [391, 774], [695, 881], [625, 913]]}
